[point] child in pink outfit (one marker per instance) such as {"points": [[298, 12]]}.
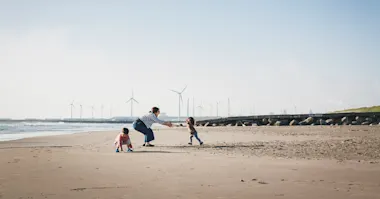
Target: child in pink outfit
{"points": [[123, 139], [193, 133]]}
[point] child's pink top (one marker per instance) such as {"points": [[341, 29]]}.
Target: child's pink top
{"points": [[123, 139]]}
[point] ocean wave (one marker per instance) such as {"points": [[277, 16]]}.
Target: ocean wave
{"points": [[11, 131]]}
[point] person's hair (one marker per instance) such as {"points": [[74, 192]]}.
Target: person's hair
{"points": [[125, 130], [154, 110], [191, 120]]}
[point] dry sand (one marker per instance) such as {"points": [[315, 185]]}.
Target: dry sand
{"points": [[235, 162]]}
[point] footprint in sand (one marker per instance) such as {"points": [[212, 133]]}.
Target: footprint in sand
{"points": [[262, 182]]}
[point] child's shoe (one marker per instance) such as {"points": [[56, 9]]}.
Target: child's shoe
{"points": [[190, 143], [117, 150], [130, 150], [201, 143]]}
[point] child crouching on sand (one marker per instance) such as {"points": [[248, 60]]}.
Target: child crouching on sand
{"points": [[193, 133], [123, 139]]}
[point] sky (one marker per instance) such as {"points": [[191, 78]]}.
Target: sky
{"points": [[266, 56]]}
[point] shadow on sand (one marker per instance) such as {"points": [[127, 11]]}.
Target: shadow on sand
{"points": [[156, 152], [217, 146]]}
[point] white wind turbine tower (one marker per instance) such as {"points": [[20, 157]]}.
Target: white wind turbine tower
{"points": [[229, 114], [81, 111], [193, 107], [101, 113], [217, 109], [188, 101], [179, 101], [72, 106], [132, 99], [200, 107], [92, 111]]}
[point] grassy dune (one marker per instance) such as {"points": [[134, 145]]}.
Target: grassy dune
{"points": [[359, 110]]}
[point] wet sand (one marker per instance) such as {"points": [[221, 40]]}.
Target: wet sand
{"points": [[235, 162]]}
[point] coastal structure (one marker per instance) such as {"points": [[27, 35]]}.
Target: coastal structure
{"points": [[367, 118]]}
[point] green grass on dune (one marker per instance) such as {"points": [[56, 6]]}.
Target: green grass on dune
{"points": [[360, 110]]}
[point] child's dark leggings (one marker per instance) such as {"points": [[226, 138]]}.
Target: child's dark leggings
{"points": [[196, 136]]}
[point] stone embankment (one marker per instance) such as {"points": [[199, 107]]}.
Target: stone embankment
{"points": [[294, 120]]}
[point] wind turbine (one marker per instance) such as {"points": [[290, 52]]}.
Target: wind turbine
{"points": [[217, 109], [229, 107], [101, 114], [179, 101], [200, 107], [188, 101], [81, 110], [92, 111], [193, 107], [72, 106], [132, 99]]}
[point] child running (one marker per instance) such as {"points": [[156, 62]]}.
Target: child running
{"points": [[123, 139], [193, 133]]}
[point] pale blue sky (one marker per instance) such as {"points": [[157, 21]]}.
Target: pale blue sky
{"points": [[264, 55]]}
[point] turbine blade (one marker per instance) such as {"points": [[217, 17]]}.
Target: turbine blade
{"points": [[135, 101], [180, 96], [129, 100], [174, 91], [184, 89]]}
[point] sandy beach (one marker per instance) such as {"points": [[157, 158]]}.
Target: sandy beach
{"points": [[235, 162]]}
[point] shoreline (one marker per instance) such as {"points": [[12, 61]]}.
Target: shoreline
{"points": [[16, 131]]}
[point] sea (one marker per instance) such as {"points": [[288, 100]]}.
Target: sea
{"points": [[19, 130]]}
